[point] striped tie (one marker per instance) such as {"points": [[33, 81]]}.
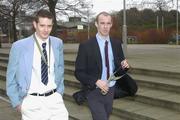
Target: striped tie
{"points": [[44, 66]]}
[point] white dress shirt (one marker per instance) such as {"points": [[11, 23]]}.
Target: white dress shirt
{"points": [[36, 85], [101, 42]]}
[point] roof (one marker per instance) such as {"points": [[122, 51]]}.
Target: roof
{"points": [[72, 24]]}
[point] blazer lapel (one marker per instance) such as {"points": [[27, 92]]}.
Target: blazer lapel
{"points": [[55, 51], [97, 54], [28, 57], [114, 50]]}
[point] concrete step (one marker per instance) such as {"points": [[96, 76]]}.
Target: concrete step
{"points": [[152, 81], [70, 56], [70, 80], [69, 69], [149, 72], [3, 62], [77, 112], [3, 59], [3, 75], [6, 45], [69, 62], [157, 73], [4, 52], [148, 95], [134, 110], [3, 66], [70, 51], [81, 112], [161, 98], [2, 87], [167, 84], [7, 112], [156, 97], [127, 108]]}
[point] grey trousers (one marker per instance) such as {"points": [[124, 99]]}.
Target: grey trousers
{"points": [[100, 105]]}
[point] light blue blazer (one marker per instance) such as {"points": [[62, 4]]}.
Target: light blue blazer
{"points": [[19, 70]]}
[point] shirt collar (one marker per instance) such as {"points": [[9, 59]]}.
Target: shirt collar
{"points": [[102, 37], [40, 41]]}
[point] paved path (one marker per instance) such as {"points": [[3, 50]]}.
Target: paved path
{"points": [[157, 57], [6, 111]]}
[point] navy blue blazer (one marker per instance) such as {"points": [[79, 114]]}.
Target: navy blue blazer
{"points": [[88, 65]]}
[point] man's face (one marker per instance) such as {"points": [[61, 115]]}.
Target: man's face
{"points": [[104, 25], [43, 27]]}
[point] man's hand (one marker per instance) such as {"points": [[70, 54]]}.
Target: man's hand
{"points": [[18, 108], [103, 85], [125, 64]]}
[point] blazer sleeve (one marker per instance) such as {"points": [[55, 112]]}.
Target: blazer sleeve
{"points": [[59, 69], [11, 83], [119, 57], [81, 68]]}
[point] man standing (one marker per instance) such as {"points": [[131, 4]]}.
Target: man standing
{"points": [[35, 73], [97, 59]]}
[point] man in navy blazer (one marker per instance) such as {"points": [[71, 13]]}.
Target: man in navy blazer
{"points": [[35, 99], [93, 66]]}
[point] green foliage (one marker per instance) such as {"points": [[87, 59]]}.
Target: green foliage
{"points": [[143, 24]]}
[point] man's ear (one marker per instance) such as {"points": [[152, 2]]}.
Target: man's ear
{"points": [[34, 24], [96, 24]]}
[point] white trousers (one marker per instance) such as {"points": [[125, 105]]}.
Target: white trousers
{"points": [[44, 108]]}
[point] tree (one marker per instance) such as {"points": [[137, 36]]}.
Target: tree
{"points": [[161, 5], [65, 7], [11, 9], [142, 23]]}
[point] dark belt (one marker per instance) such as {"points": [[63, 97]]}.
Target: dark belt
{"points": [[44, 94]]}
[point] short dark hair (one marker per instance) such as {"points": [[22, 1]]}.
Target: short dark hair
{"points": [[103, 13], [44, 14]]}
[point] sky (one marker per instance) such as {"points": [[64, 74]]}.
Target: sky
{"points": [[117, 5], [104, 5], [107, 5]]}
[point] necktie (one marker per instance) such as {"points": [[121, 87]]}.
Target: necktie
{"points": [[44, 66], [106, 59]]}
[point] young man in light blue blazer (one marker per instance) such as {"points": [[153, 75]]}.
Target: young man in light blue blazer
{"points": [[35, 73]]}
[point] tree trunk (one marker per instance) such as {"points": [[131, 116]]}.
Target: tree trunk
{"points": [[14, 32], [52, 5]]}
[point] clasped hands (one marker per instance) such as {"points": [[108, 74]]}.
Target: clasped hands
{"points": [[104, 84]]}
